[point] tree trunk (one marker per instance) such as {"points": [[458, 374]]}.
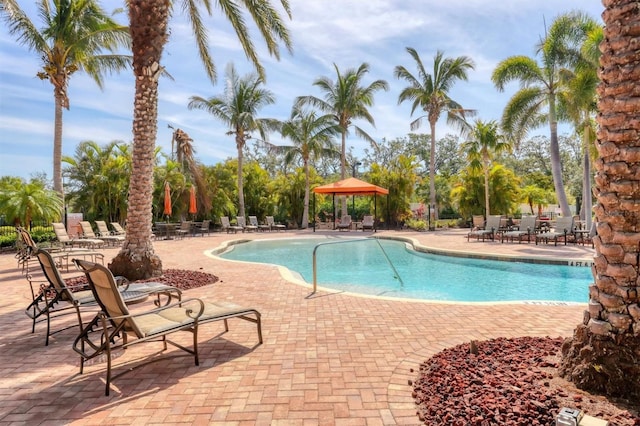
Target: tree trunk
{"points": [[305, 212], [57, 144], [343, 173], [240, 146], [604, 353], [556, 161], [432, 171], [148, 27], [485, 167]]}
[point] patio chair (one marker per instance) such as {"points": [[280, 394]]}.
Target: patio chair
{"points": [[367, 223], [61, 234], [345, 223], [477, 222], [203, 228], [113, 326], [226, 225], [60, 255], [273, 225], [253, 221], [243, 223], [117, 229], [185, 229], [103, 232], [53, 298], [491, 228], [563, 229], [527, 228]]}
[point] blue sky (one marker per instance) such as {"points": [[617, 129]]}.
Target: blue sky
{"points": [[324, 32]]}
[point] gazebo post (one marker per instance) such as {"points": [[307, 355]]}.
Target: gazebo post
{"points": [[314, 211], [333, 211], [375, 211]]}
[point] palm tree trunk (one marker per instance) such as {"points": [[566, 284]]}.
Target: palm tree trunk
{"points": [[432, 170], [57, 144], [240, 145], [343, 172], [587, 200], [486, 191], [556, 162], [604, 353], [148, 25], [305, 212]]}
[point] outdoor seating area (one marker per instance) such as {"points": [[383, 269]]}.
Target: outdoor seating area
{"points": [[302, 336], [532, 229]]}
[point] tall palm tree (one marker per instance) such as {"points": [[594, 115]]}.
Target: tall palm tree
{"points": [[148, 21], [485, 141], [238, 108], [185, 156], [578, 97], [346, 99], [312, 138], [536, 102], [602, 355], [74, 35], [430, 93]]}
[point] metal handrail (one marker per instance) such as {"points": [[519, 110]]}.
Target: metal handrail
{"points": [[315, 249]]}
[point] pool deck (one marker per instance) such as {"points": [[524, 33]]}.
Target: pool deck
{"points": [[327, 358]]}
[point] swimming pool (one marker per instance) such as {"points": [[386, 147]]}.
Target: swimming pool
{"points": [[364, 266]]}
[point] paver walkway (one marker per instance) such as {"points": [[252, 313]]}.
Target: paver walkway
{"points": [[326, 359]]}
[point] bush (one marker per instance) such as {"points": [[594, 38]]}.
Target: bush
{"points": [[7, 240], [416, 224]]}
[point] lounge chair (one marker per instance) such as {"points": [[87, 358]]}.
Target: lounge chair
{"points": [[345, 223], [367, 223], [55, 298], [117, 229], [185, 229], [253, 221], [491, 228], [88, 233], [273, 225], [64, 239], [477, 222], [60, 255], [527, 228], [243, 223], [563, 229], [203, 228], [105, 234], [113, 326], [226, 225]]}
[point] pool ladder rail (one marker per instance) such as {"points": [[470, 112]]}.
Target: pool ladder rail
{"points": [[351, 240]]}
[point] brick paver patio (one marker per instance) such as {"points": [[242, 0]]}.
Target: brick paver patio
{"points": [[326, 359]]}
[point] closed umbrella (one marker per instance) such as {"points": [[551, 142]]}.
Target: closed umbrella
{"points": [[167, 200], [193, 207]]}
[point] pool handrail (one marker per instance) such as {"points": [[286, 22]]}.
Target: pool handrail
{"points": [[350, 240]]}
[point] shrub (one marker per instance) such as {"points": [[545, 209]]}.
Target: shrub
{"points": [[416, 224]]}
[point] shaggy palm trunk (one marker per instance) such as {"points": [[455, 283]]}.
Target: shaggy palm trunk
{"points": [[57, 144], [604, 353], [148, 26]]}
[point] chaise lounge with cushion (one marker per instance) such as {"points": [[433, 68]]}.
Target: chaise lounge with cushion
{"points": [[526, 229], [490, 229], [115, 324]]}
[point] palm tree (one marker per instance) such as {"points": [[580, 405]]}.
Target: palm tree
{"points": [[312, 138], [484, 143], [430, 92], [74, 35], [185, 156], [148, 20], [540, 88], [602, 355], [577, 96], [24, 202], [346, 99], [238, 108]]}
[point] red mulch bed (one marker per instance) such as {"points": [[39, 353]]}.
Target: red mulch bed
{"points": [[179, 278], [508, 382]]}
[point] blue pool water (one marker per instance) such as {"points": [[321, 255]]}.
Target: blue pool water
{"points": [[364, 266]]}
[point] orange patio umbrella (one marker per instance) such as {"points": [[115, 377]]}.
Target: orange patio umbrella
{"points": [[167, 199], [193, 207]]}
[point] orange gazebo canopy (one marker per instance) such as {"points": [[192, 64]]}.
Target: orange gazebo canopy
{"points": [[351, 186]]}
